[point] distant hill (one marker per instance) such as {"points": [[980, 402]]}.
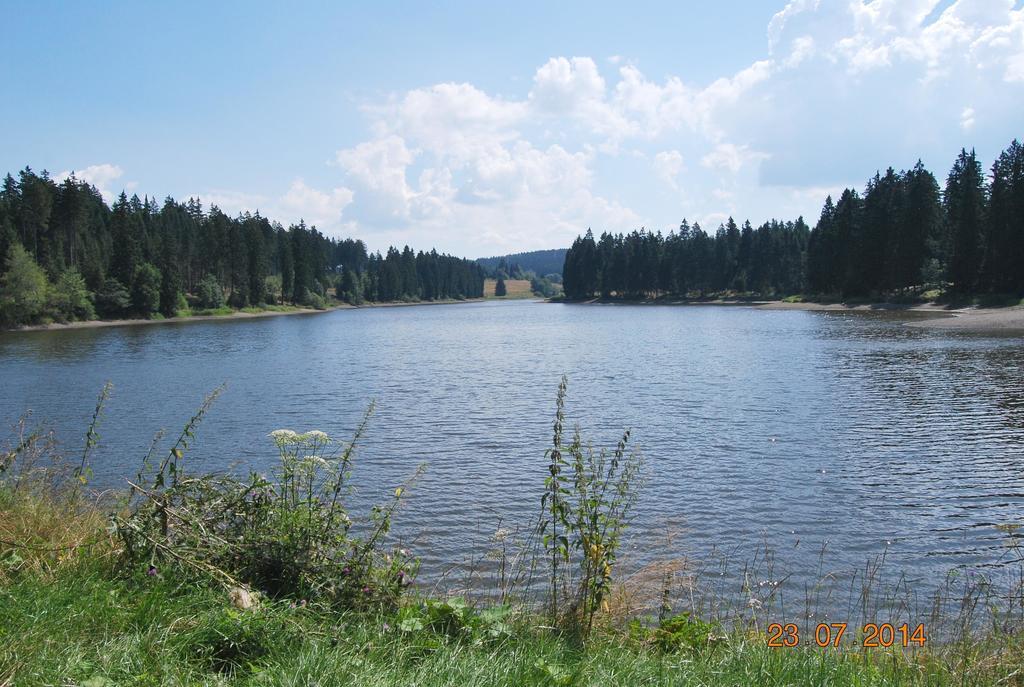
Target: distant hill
{"points": [[540, 262]]}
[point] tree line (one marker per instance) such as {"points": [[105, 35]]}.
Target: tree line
{"points": [[902, 236], [646, 264], [66, 255]]}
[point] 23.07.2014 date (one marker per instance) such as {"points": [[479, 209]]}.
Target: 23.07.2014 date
{"points": [[831, 634]]}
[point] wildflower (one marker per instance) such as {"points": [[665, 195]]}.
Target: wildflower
{"points": [[366, 590], [316, 436], [284, 437], [754, 603], [152, 571]]}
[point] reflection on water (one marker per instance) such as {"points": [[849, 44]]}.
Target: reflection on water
{"points": [[798, 428]]}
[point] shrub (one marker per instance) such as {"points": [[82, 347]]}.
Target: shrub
{"points": [[287, 535], [238, 299], [113, 299], [70, 298], [209, 293], [146, 290], [23, 288], [311, 299], [272, 288]]}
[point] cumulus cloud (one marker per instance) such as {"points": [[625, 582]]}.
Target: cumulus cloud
{"points": [[967, 119], [319, 208], [731, 157], [102, 176], [667, 165]]}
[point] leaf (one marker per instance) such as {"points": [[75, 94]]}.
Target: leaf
{"points": [[177, 452], [411, 625]]}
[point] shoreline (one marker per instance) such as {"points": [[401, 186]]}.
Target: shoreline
{"points": [[236, 315], [1009, 319]]}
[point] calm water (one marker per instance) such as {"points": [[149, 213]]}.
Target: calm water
{"points": [[794, 428]]}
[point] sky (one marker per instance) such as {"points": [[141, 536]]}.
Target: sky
{"points": [[488, 128]]}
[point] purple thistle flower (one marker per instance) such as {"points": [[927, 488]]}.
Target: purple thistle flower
{"points": [[152, 571]]}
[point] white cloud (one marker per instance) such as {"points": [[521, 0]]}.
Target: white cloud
{"points": [[967, 119], [320, 208], [667, 165], [731, 157], [563, 85], [232, 202], [101, 176]]}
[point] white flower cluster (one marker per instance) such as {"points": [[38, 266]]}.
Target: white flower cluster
{"points": [[287, 437]]}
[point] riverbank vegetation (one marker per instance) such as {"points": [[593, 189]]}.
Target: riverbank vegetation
{"points": [[902, 239], [189, 578], [65, 255]]}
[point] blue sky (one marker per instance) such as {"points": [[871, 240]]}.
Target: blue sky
{"points": [[483, 129]]}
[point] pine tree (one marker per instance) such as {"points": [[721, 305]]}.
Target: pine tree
{"points": [[1004, 256], [919, 229], [126, 252], [499, 289], [965, 213]]}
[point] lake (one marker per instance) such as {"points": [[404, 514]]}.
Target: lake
{"points": [[787, 429]]}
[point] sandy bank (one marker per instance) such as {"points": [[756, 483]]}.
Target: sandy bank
{"points": [[928, 315], [238, 315]]}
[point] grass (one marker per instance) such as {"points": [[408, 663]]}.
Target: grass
{"points": [[226, 311], [84, 625], [516, 288]]}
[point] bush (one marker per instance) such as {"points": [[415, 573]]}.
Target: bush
{"points": [[238, 299], [23, 288], [181, 308], [146, 290], [349, 288], [272, 288], [113, 300], [70, 299], [311, 299], [287, 535], [209, 293]]}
